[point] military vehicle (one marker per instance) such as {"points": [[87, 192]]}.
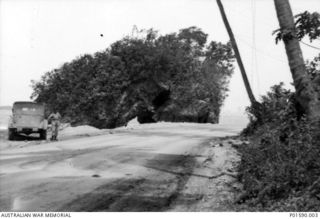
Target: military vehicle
{"points": [[27, 118]]}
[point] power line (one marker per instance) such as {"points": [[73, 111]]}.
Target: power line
{"points": [[246, 16], [246, 13], [260, 50], [253, 38], [314, 47], [254, 52], [237, 53]]}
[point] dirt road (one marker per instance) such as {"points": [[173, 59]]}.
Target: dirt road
{"points": [[156, 167]]}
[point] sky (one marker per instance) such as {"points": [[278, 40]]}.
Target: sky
{"points": [[37, 36]]}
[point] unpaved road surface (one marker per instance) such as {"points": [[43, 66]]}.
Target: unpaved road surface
{"points": [[156, 167]]}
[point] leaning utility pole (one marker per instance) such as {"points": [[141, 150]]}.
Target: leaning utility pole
{"points": [[306, 95], [237, 54]]}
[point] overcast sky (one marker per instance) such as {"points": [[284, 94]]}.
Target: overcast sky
{"points": [[37, 36]]}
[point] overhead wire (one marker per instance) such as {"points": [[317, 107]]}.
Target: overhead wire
{"points": [[314, 47], [255, 67], [253, 40], [252, 45], [245, 14], [266, 54]]}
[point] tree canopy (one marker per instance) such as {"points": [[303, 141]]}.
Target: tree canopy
{"points": [[174, 77]]}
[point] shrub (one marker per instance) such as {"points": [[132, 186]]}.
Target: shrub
{"points": [[280, 169], [279, 103]]}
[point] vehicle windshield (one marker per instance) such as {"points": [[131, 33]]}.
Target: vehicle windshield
{"points": [[29, 109]]}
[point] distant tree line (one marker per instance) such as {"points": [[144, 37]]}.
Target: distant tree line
{"points": [[172, 77]]}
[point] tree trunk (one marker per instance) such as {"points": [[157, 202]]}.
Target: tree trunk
{"points": [[306, 95]]}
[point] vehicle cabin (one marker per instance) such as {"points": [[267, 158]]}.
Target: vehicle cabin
{"points": [[27, 118]]}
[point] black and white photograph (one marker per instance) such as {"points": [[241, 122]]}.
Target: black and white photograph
{"points": [[159, 106]]}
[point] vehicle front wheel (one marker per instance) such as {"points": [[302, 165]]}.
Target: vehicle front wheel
{"points": [[11, 134], [43, 134]]}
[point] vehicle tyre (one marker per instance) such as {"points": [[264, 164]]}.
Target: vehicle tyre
{"points": [[11, 134], [43, 134]]}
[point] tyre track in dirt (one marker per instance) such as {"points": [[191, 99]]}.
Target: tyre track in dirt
{"points": [[154, 193]]}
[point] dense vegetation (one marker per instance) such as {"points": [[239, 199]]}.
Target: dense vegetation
{"points": [[280, 169], [174, 77]]}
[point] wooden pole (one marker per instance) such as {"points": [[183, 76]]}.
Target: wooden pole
{"points": [[237, 54]]}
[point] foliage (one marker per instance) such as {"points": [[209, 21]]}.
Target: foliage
{"points": [[280, 169], [111, 87], [313, 67], [281, 165], [306, 24], [277, 104]]}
